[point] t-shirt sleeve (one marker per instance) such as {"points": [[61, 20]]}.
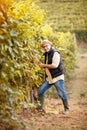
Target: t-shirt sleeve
{"points": [[56, 59]]}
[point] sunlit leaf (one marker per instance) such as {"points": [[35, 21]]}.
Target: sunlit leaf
{"points": [[13, 33], [2, 37]]}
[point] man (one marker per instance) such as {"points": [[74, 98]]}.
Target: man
{"points": [[54, 75]]}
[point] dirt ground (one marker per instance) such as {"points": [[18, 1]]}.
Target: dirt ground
{"points": [[54, 119]]}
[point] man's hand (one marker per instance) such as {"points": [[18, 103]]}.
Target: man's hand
{"points": [[49, 66], [41, 65]]}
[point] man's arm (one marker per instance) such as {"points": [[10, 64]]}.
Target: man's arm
{"points": [[55, 62], [49, 66]]}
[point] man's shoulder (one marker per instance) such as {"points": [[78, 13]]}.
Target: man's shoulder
{"points": [[56, 54]]}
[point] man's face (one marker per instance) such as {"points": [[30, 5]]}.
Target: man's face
{"points": [[46, 47]]}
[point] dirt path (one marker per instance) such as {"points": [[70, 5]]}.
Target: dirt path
{"points": [[54, 119]]}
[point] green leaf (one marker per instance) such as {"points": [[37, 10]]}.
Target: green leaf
{"points": [[10, 49]]}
